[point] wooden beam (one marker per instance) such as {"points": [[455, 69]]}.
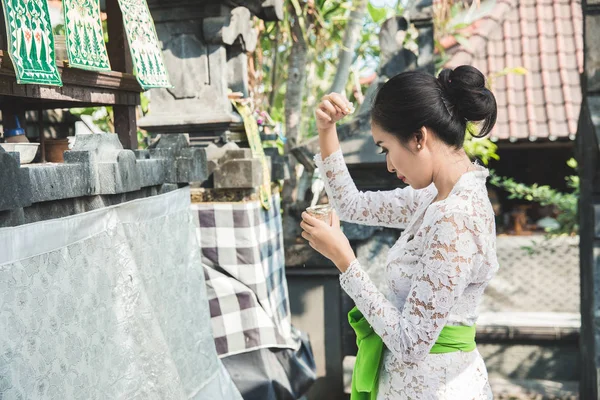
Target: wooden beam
{"points": [[126, 126], [588, 137], [120, 60], [117, 46], [565, 144], [3, 38], [79, 86]]}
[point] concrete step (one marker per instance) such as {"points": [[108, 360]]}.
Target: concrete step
{"points": [[533, 389]]}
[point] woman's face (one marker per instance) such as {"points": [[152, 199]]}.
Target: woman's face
{"points": [[411, 164]]}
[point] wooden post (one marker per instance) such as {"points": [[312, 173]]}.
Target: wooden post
{"points": [[120, 60], [40, 117], [126, 126], [589, 204]]}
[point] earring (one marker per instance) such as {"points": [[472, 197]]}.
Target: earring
{"points": [[419, 146]]}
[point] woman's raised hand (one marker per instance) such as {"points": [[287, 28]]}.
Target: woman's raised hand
{"points": [[331, 109]]}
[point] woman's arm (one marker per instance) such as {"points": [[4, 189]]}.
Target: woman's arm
{"points": [[451, 252], [389, 208], [392, 208]]}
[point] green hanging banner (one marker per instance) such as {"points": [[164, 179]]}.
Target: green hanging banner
{"points": [[145, 48], [31, 42], [84, 36]]}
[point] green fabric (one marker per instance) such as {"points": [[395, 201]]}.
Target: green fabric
{"points": [[145, 48], [455, 338], [31, 42], [84, 36], [370, 351]]}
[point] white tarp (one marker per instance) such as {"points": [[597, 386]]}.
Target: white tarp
{"points": [[108, 304]]}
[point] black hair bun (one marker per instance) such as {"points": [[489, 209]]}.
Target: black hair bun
{"points": [[466, 96]]}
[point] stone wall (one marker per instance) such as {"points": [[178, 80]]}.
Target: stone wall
{"points": [[97, 172]]}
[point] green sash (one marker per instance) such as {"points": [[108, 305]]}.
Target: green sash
{"points": [[370, 350]]}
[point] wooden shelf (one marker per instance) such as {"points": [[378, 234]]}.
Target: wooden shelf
{"points": [[81, 88]]}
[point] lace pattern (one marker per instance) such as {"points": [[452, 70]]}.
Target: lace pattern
{"points": [[392, 209], [437, 272]]}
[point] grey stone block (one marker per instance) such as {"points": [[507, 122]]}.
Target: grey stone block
{"points": [[112, 169], [214, 153], [231, 28], [58, 181], [190, 163], [12, 217], [237, 70], [197, 72], [15, 186], [238, 154], [239, 173], [152, 171], [97, 165]]}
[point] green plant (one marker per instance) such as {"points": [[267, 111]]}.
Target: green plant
{"points": [[323, 24], [566, 203], [58, 29], [482, 149], [103, 117]]}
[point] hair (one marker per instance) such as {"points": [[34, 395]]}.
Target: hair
{"points": [[415, 99]]}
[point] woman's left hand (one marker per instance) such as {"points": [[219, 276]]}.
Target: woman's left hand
{"points": [[330, 241]]}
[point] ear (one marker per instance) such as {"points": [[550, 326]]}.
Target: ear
{"points": [[421, 137]]}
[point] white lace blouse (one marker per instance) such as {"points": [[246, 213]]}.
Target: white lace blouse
{"points": [[436, 274]]}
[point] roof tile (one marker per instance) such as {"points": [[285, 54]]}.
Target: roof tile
{"points": [[545, 37]]}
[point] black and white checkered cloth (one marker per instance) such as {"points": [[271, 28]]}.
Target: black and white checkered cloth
{"points": [[243, 259]]}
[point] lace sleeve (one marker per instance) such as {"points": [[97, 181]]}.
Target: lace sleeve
{"points": [[389, 208], [450, 252]]}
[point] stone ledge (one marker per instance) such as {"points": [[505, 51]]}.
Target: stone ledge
{"points": [[98, 165], [63, 208]]}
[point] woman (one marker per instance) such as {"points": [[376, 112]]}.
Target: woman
{"points": [[439, 267]]}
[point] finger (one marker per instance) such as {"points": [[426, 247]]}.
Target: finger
{"points": [[307, 236], [334, 101], [340, 111], [330, 108], [341, 102], [323, 114], [306, 227], [335, 220], [312, 221]]}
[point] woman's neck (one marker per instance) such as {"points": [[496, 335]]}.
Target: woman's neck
{"points": [[448, 170]]}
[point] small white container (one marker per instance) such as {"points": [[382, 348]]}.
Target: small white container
{"points": [[27, 151]]}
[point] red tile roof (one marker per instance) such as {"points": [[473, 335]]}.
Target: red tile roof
{"points": [[546, 38]]}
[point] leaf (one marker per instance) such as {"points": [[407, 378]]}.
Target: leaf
{"points": [[144, 102], [463, 41], [297, 7], [518, 71], [378, 14], [461, 25]]}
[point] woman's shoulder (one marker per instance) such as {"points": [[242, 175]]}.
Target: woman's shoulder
{"points": [[424, 195], [472, 213]]}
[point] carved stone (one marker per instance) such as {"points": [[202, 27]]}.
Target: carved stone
{"points": [[96, 166], [204, 46], [229, 28]]}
